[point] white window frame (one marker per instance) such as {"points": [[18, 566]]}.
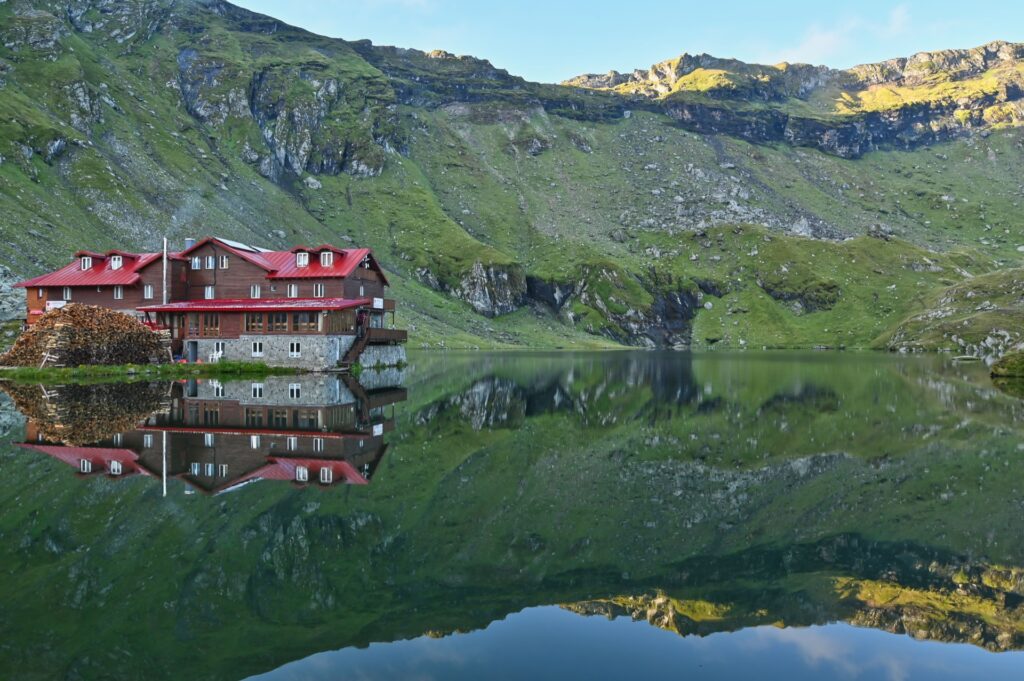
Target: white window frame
{"points": [[147, 440], [40, 292], [86, 262], [116, 468], [195, 468], [222, 470], [84, 466], [119, 293], [116, 262], [254, 291], [209, 293], [254, 442], [327, 259], [301, 474], [118, 439], [257, 348], [294, 391], [362, 291], [319, 290], [291, 443], [67, 293], [257, 391], [293, 290], [211, 262], [318, 444], [197, 263], [210, 470], [326, 475], [224, 260], [147, 291], [302, 259], [218, 347], [295, 350], [208, 440]]}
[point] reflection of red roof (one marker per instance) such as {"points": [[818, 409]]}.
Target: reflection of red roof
{"points": [[258, 305], [100, 274], [101, 457], [342, 471]]}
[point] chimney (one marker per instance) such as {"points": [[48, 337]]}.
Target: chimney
{"points": [[189, 242]]}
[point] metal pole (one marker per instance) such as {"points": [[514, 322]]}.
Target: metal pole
{"points": [[164, 296]]}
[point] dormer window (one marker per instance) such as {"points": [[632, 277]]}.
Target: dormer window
{"points": [[302, 259], [115, 262], [86, 262], [326, 259]]}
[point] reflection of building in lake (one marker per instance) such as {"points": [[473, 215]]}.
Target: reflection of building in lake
{"points": [[315, 431]]}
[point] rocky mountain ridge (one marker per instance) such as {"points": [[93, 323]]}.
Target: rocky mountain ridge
{"points": [[514, 212]]}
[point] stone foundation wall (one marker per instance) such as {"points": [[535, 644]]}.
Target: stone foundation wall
{"points": [[382, 355], [316, 352], [314, 390]]}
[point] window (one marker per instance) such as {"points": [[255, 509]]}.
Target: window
{"points": [[218, 390], [207, 439], [304, 321], [147, 292], [254, 441], [85, 466], [254, 291], [223, 262], [294, 390], [118, 439], [211, 324], [218, 348], [197, 263], [318, 290], [253, 417], [211, 262], [119, 293], [318, 444], [147, 440], [257, 348], [301, 474], [292, 443], [208, 292], [40, 293], [209, 470], [302, 259], [362, 291], [295, 349], [253, 322], [293, 290], [257, 390], [326, 475], [115, 468], [67, 293], [86, 262], [277, 321], [326, 259], [194, 468], [116, 262], [211, 414], [278, 418], [222, 470]]}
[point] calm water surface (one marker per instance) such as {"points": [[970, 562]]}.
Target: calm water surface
{"points": [[519, 516]]}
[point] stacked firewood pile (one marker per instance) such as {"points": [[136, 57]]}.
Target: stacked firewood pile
{"points": [[86, 414], [77, 335]]}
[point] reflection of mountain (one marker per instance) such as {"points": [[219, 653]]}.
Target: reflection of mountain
{"points": [[730, 490], [307, 430]]}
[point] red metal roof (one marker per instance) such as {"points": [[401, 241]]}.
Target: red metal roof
{"points": [[99, 456], [281, 264], [100, 274], [258, 305]]}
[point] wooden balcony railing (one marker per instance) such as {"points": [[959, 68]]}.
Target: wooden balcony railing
{"points": [[382, 336]]}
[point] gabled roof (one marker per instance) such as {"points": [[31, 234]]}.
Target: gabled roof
{"points": [[99, 456], [100, 274], [281, 264]]}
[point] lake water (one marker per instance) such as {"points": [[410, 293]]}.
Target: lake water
{"points": [[520, 516]]}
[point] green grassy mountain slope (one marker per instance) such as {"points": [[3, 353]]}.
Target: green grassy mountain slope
{"points": [[509, 213]]}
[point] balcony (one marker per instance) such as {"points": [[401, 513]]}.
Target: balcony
{"points": [[386, 336]]}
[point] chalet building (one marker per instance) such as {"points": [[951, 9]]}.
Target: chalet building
{"points": [[316, 308], [217, 436]]}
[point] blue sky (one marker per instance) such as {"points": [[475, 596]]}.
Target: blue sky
{"points": [[556, 39]]}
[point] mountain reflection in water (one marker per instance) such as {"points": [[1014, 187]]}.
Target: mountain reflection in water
{"points": [[699, 494]]}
